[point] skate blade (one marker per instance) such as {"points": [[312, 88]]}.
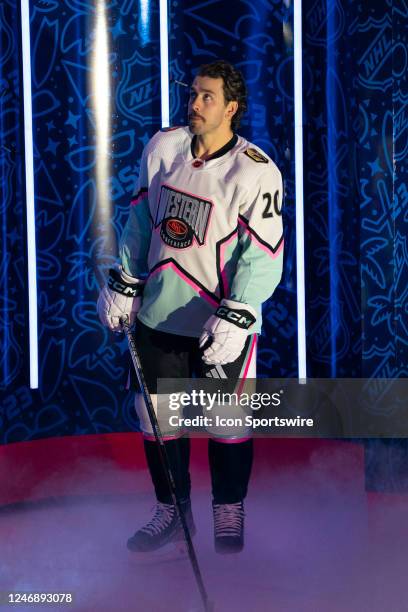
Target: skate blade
{"points": [[172, 552]]}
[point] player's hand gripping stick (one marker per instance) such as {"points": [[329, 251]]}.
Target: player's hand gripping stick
{"points": [[208, 607]]}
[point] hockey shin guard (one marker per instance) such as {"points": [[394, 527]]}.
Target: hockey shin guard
{"points": [[178, 452], [230, 466]]}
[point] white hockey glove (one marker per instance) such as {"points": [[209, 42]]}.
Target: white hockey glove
{"points": [[122, 296], [228, 329]]}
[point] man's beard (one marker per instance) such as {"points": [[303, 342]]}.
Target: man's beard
{"points": [[196, 127]]}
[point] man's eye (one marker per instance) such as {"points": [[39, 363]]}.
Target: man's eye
{"points": [[207, 97]]}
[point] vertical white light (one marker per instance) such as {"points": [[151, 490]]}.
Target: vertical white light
{"points": [[164, 65], [144, 21], [300, 253], [100, 88], [30, 204]]}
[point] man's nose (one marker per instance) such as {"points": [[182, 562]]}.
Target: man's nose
{"points": [[196, 105]]}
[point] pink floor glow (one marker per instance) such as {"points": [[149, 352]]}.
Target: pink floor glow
{"points": [[315, 541]]}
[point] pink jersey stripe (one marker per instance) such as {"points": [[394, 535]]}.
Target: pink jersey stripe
{"points": [[248, 362], [137, 200], [244, 439], [187, 280]]}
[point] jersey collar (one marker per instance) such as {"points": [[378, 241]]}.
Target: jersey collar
{"points": [[227, 147]]}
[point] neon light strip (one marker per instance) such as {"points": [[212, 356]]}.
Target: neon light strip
{"points": [[332, 187], [164, 65], [30, 207], [300, 252]]}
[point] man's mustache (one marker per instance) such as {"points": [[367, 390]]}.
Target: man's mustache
{"points": [[192, 115]]}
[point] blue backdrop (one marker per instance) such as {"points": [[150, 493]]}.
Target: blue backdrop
{"points": [[356, 196]]}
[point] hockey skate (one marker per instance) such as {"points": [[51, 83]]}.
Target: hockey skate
{"points": [[164, 528], [228, 527]]}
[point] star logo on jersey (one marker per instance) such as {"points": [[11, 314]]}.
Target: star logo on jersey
{"points": [[182, 217]]}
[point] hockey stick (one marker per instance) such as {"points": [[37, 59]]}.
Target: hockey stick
{"points": [[208, 607]]}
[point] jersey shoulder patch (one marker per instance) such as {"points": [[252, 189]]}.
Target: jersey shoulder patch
{"points": [[256, 156], [170, 129]]}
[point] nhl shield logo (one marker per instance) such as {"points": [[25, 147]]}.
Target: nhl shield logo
{"points": [[177, 92], [400, 127], [321, 334], [383, 58], [139, 87], [317, 18]]}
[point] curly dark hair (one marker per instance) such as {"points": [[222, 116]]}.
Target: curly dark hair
{"points": [[234, 86]]}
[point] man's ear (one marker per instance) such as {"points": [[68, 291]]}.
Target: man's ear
{"points": [[232, 108]]}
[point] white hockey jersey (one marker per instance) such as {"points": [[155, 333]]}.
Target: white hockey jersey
{"points": [[202, 231]]}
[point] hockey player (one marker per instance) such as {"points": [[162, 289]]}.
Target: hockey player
{"points": [[201, 250]]}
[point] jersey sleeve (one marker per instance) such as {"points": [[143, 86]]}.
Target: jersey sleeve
{"points": [[260, 229], [135, 240]]}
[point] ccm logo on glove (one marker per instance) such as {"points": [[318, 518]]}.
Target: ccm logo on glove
{"points": [[121, 297], [227, 329], [240, 318], [115, 282]]}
